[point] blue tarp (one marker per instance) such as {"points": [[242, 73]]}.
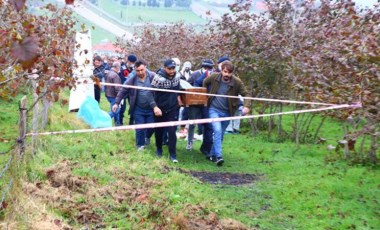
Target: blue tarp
{"points": [[91, 113]]}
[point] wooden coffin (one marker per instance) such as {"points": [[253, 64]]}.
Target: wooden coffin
{"points": [[194, 99]]}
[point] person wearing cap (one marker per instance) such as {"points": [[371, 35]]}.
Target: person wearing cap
{"points": [[206, 66], [167, 108], [141, 102], [223, 83], [126, 68], [200, 112], [111, 92]]}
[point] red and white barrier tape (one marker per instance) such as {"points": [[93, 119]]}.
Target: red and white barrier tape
{"points": [[218, 95], [191, 122]]}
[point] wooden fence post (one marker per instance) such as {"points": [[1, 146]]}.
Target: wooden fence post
{"points": [[22, 127]]}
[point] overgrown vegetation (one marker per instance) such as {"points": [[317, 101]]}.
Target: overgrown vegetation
{"points": [[99, 180], [300, 180], [327, 52]]}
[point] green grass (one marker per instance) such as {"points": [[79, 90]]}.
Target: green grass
{"points": [[297, 189], [136, 14]]}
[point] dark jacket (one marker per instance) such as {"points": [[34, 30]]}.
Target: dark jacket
{"points": [[166, 101], [99, 72], [194, 76], [132, 93], [236, 87], [112, 77]]}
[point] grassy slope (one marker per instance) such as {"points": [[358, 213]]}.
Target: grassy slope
{"points": [[297, 190], [135, 14]]}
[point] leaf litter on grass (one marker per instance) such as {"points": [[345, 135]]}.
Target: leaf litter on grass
{"points": [[81, 200]]}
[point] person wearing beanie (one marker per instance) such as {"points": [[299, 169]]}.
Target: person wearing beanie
{"points": [[220, 61]]}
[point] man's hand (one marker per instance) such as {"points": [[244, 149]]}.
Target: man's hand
{"points": [[115, 107], [179, 99], [245, 111], [157, 111]]}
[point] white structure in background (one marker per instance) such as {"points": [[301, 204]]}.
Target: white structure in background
{"points": [[83, 72]]}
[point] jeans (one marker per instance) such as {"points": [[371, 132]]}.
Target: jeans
{"points": [[171, 115], [219, 128], [143, 116], [234, 125], [114, 115], [201, 112]]}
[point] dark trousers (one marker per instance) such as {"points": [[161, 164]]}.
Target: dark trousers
{"points": [[172, 137], [97, 92], [123, 107], [201, 112]]}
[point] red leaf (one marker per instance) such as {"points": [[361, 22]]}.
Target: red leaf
{"points": [[18, 4], [69, 2], [4, 205], [26, 50]]}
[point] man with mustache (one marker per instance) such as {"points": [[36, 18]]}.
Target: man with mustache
{"points": [[223, 83]]}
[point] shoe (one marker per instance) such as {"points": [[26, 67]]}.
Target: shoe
{"points": [[159, 153], [174, 160], [189, 146], [219, 161], [140, 149], [212, 158], [147, 141]]}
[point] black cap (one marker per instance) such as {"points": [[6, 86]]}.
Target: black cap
{"points": [[170, 63], [132, 58]]}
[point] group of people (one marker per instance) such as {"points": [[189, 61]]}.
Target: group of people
{"points": [[147, 105]]}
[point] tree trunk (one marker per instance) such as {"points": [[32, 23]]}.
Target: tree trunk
{"points": [[22, 127], [45, 112], [318, 129], [279, 130], [374, 146]]}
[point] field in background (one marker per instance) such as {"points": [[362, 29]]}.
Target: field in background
{"points": [[136, 14]]}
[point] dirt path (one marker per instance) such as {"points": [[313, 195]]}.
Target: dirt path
{"points": [[203, 11], [98, 20]]}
